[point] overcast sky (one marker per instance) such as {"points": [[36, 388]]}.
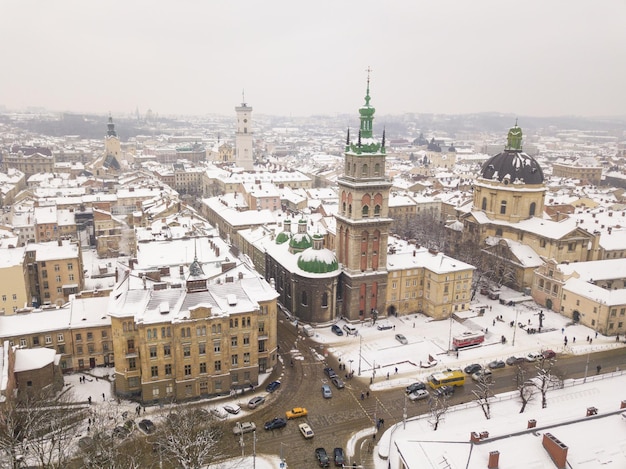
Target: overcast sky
{"points": [[530, 57]]}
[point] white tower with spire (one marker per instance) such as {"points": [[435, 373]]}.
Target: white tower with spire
{"points": [[244, 157]]}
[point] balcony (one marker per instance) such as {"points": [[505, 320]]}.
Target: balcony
{"points": [[131, 353]]}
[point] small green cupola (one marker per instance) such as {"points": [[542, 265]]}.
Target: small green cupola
{"points": [[284, 235], [366, 142], [301, 240], [514, 139], [317, 259]]}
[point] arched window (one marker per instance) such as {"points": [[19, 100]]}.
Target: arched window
{"points": [[377, 169], [503, 207], [364, 170], [377, 210], [325, 300], [484, 204], [304, 300], [350, 210], [365, 211], [533, 207], [344, 208]]}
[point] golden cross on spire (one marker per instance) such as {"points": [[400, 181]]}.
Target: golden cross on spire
{"points": [[368, 70]]}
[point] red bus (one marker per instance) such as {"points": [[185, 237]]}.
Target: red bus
{"points": [[467, 339]]}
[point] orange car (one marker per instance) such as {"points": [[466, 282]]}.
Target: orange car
{"points": [[296, 412]]}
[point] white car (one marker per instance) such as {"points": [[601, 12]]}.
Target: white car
{"points": [[219, 413], [482, 375], [306, 430], [232, 408], [244, 427], [533, 357], [418, 394]]}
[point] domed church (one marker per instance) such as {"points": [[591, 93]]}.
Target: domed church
{"points": [[506, 234]]}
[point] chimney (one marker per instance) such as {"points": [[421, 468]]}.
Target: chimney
{"points": [[532, 423], [623, 404], [592, 411], [494, 459], [556, 449]]}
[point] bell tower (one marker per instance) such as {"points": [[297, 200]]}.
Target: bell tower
{"points": [[244, 156], [362, 220]]}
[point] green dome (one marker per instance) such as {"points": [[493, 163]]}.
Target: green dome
{"points": [[282, 237], [318, 261], [300, 241]]}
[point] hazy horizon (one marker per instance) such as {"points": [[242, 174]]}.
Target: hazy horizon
{"points": [[533, 58]]}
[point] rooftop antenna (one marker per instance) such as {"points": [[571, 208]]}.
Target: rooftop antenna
{"points": [[243, 97]]}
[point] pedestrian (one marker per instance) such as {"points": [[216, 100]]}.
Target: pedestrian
{"points": [[103, 397], [362, 396], [596, 334], [573, 340], [590, 340], [88, 429], [367, 394], [598, 368], [89, 420], [494, 322], [486, 330], [490, 308], [413, 324], [394, 327], [617, 338], [562, 330], [89, 400], [396, 370], [374, 437], [587, 338]]}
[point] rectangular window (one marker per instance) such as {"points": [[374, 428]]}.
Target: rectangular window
{"points": [[153, 351], [217, 365], [202, 348], [168, 369], [90, 348], [234, 360], [105, 346], [35, 340], [71, 277], [154, 371], [132, 364], [133, 382], [59, 289], [70, 266], [57, 268], [79, 349], [169, 389], [59, 337], [614, 312], [233, 341], [187, 370], [202, 367], [58, 278], [186, 351], [22, 342], [89, 335], [48, 339], [155, 392], [246, 358], [61, 349], [246, 340], [216, 346]]}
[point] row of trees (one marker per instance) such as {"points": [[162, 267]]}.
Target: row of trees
{"points": [[547, 377], [50, 431]]}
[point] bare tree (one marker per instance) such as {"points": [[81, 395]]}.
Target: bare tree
{"points": [[438, 407], [190, 438], [525, 387], [548, 377], [483, 393]]}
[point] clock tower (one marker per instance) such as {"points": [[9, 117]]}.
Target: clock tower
{"points": [[363, 221], [244, 157]]}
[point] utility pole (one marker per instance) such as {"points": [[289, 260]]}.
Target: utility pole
{"points": [[254, 449], [515, 327], [360, 345]]}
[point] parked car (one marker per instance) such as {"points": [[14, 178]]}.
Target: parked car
{"points": [[256, 402], [296, 412], [244, 427], [513, 360], [383, 326], [350, 329], [336, 329], [445, 391], [400, 338], [275, 423], [473, 368], [339, 457], [533, 357], [273, 386], [418, 395], [121, 431], [496, 364], [85, 442], [338, 382], [232, 409], [219, 413], [146, 426], [306, 430], [327, 393], [482, 376], [414, 387], [322, 457], [330, 372], [548, 354]]}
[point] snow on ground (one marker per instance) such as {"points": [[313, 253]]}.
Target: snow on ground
{"points": [[377, 353]]}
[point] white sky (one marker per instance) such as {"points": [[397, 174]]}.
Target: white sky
{"points": [[564, 57]]}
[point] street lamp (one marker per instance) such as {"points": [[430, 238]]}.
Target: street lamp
{"points": [[350, 365], [360, 344]]}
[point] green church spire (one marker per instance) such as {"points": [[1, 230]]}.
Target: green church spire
{"points": [[365, 143], [514, 139]]}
